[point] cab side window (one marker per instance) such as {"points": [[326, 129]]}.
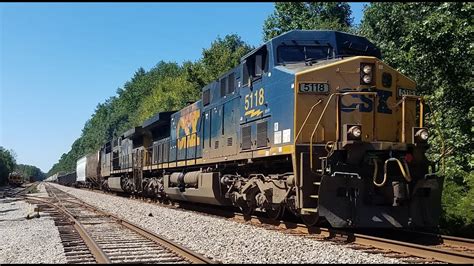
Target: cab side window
{"points": [[255, 66]]}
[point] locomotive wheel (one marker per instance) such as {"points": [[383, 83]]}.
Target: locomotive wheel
{"points": [[275, 212], [310, 219], [246, 209]]}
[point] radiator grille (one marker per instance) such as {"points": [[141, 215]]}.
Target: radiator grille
{"points": [[246, 138], [206, 97], [262, 134]]}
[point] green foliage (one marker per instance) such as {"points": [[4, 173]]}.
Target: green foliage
{"points": [[223, 55], [171, 93], [7, 164], [432, 43], [307, 16], [28, 171], [167, 86]]}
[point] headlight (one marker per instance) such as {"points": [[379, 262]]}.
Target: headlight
{"points": [[422, 134], [367, 69], [367, 79], [367, 73], [355, 132]]}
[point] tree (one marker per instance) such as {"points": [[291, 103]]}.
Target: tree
{"points": [[28, 171], [307, 16], [432, 43], [167, 86], [224, 54], [172, 94], [7, 164]]}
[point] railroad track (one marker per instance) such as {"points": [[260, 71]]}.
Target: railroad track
{"points": [[13, 191], [90, 235], [415, 246], [29, 188], [448, 249]]}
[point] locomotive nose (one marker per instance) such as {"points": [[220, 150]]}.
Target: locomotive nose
{"points": [[361, 92]]}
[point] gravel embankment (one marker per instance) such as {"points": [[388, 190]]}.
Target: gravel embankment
{"points": [[223, 240], [28, 241]]}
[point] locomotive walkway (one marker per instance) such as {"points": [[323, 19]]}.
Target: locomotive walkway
{"points": [[90, 235]]}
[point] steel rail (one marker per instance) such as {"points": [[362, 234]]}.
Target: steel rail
{"points": [[411, 249], [94, 248], [438, 254], [25, 190], [445, 239], [417, 250], [180, 250]]}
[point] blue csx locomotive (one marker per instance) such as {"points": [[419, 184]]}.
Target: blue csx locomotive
{"points": [[312, 122]]}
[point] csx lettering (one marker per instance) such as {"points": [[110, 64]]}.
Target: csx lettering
{"points": [[188, 125], [383, 98], [366, 104]]}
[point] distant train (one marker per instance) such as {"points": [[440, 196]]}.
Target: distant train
{"points": [[312, 122], [66, 179], [15, 179]]}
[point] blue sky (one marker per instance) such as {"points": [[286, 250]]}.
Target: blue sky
{"points": [[59, 60]]}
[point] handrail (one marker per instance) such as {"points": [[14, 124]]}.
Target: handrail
{"points": [[306, 119], [337, 121], [402, 101], [406, 174]]}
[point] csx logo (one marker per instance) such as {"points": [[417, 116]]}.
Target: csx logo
{"points": [[366, 104]]}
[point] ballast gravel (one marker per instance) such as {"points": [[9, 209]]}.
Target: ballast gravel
{"points": [[223, 240], [28, 240]]}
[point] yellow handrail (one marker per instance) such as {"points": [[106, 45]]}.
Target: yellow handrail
{"points": [[306, 119], [337, 121], [406, 174], [402, 101]]}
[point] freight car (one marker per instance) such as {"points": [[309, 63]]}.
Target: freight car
{"points": [[67, 179], [54, 178], [313, 122], [87, 169]]}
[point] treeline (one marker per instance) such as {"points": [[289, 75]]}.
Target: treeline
{"points": [[30, 172], [7, 164], [167, 86], [432, 43], [429, 42]]}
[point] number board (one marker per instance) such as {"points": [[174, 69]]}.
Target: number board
{"points": [[403, 91], [314, 88]]}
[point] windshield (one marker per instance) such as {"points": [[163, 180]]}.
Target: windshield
{"points": [[302, 53]]}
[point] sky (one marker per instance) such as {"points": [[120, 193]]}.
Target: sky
{"points": [[59, 60]]}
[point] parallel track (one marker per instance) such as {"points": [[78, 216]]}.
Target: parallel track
{"points": [[90, 235], [10, 191]]}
